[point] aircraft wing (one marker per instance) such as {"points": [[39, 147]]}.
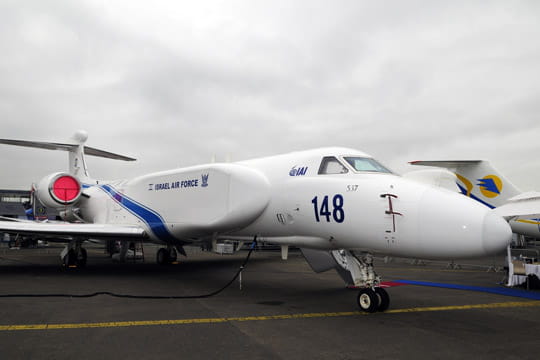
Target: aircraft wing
{"points": [[521, 205], [67, 231]]}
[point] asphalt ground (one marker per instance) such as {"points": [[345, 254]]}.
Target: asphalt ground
{"points": [[283, 311]]}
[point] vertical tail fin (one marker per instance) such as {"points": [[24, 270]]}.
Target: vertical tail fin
{"points": [[479, 180], [76, 149], [77, 163]]}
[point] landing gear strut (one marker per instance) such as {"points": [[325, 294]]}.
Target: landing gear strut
{"points": [[74, 255], [166, 256], [371, 297]]}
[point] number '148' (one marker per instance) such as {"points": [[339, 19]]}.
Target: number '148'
{"points": [[327, 210]]}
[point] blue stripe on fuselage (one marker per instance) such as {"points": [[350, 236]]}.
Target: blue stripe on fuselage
{"points": [[464, 191], [149, 216]]}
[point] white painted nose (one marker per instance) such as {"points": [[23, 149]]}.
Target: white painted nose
{"points": [[454, 226], [496, 234]]}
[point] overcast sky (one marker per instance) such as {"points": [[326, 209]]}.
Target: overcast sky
{"points": [[174, 82]]}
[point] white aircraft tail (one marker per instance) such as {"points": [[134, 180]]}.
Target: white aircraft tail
{"points": [[479, 180], [76, 149]]}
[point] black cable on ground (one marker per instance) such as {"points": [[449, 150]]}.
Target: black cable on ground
{"points": [[253, 245]]}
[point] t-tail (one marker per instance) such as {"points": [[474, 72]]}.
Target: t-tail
{"points": [[61, 190], [479, 180], [76, 149]]}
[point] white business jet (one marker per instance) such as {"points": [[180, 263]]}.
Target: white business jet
{"points": [[480, 181], [337, 204]]}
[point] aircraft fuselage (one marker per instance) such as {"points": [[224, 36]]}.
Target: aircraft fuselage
{"points": [[299, 199]]}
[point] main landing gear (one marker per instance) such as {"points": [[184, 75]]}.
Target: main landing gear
{"points": [[74, 255], [169, 255], [371, 297]]}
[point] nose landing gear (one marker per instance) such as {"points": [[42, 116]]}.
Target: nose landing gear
{"points": [[371, 297]]}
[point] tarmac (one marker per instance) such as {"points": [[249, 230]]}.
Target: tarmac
{"points": [[280, 310]]}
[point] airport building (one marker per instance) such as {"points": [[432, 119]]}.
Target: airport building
{"points": [[16, 203], [13, 202]]}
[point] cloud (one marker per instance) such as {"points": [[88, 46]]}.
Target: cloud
{"points": [[175, 83]]}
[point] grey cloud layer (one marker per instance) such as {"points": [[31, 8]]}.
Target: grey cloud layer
{"points": [[173, 84]]}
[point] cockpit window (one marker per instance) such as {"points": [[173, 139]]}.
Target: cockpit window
{"points": [[331, 165], [366, 164]]}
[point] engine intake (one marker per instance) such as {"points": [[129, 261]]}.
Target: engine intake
{"points": [[58, 190]]}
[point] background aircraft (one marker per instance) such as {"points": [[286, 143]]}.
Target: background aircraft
{"points": [[337, 204], [479, 180]]}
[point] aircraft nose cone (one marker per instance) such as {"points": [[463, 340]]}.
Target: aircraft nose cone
{"points": [[496, 233], [453, 226]]}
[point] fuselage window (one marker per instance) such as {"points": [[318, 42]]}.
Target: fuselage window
{"points": [[331, 165], [366, 164]]}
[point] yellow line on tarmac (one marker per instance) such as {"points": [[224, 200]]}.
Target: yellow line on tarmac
{"points": [[260, 318], [468, 307]]}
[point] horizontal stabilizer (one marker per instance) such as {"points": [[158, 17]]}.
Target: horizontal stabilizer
{"points": [[445, 163], [105, 154], [66, 147]]}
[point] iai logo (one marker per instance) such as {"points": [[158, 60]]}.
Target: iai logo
{"points": [[298, 172], [204, 180], [490, 186]]}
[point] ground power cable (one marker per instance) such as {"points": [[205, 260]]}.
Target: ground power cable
{"points": [[128, 296]]}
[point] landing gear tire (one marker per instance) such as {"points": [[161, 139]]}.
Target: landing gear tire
{"points": [[162, 257], [368, 300], [384, 299]]}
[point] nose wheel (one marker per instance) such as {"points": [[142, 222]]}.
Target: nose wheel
{"points": [[373, 299]]}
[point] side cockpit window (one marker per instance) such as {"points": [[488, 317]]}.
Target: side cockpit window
{"points": [[331, 165], [366, 164]]}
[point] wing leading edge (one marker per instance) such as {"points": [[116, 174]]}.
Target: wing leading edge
{"points": [[68, 231]]}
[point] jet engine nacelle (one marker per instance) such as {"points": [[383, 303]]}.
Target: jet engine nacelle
{"points": [[59, 190]]}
